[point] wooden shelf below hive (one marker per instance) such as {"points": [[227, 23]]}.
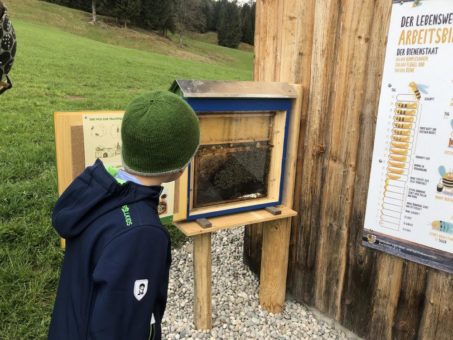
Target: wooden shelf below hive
{"points": [[192, 228]]}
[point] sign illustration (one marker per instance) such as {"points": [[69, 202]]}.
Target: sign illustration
{"points": [[102, 139], [410, 199]]}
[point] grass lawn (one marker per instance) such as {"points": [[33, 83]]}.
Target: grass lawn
{"points": [[64, 63]]}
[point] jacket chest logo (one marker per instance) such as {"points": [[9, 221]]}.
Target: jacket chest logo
{"points": [[140, 289], [127, 215]]}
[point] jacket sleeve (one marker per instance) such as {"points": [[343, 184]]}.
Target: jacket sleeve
{"points": [[130, 286]]}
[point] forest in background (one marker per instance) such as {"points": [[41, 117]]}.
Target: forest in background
{"points": [[234, 23]]}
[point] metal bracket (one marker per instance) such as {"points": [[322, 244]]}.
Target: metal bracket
{"points": [[274, 210], [204, 223]]}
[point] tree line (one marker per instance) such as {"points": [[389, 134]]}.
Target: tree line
{"points": [[233, 23]]}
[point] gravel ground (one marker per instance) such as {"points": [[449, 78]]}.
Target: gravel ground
{"points": [[235, 309]]}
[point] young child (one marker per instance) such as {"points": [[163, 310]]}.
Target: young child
{"points": [[114, 279]]}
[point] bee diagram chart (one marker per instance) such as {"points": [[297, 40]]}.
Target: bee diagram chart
{"points": [[401, 143], [410, 196]]}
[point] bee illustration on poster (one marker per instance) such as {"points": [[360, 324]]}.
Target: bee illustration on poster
{"points": [[446, 181]]}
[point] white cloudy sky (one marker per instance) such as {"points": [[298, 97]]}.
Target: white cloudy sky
{"points": [[243, 1]]}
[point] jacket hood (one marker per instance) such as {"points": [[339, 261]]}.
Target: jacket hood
{"points": [[92, 194]]}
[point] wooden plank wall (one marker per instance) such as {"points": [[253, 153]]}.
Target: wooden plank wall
{"points": [[335, 49]]}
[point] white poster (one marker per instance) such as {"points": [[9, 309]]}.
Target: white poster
{"points": [[102, 139], [410, 198]]}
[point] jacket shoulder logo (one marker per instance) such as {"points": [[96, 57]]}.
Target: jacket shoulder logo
{"points": [[140, 289], [127, 215]]}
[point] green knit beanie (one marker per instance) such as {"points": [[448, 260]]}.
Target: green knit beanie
{"points": [[160, 134]]}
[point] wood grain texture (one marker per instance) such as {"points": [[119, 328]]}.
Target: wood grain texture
{"points": [[361, 269], [266, 39], [437, 319], [202, 271], [316, 139], [274, 265], [283, 50], [335, 50], [181, 200], [267, 17], [411, 301], [77, 150], [348, 82], [292, 149], [192, 228], [253, 242], [300, 73], [386, 291]]}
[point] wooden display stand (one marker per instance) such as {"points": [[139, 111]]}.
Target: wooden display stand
{"points": [[276, 235], [277, 224], [274, 261]]}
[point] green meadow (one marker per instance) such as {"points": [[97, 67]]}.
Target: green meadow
{"points": [[64, 63]]}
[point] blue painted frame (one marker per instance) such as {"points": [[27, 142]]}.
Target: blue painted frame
{"points": [[200, 105]]}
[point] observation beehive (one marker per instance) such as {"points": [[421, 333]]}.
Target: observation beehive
{"points": [[239, 165]]}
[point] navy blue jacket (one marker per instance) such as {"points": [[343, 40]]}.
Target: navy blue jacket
{"points": [[114, 277]]}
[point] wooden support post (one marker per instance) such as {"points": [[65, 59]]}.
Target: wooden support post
{"points": [[202, 281], [274, 264], [275, 257]]}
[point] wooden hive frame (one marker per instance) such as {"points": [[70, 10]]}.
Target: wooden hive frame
{"points": [[186, 192], [237, 112]]}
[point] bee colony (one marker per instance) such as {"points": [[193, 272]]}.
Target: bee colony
{"points": [[240, 162], [234, 165]]}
